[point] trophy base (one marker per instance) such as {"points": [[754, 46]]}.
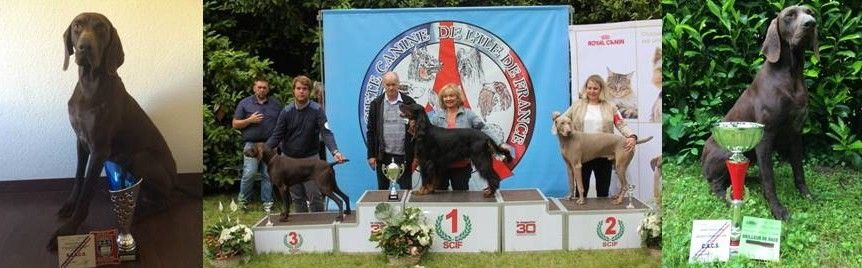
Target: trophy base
{"points": [[128, 255]]}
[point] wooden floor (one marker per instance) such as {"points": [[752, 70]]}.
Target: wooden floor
{"points": [[28, 218]]}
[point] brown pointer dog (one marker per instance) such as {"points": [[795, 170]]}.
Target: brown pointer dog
{"points": [[109, 124], [579, 147], [777, 98], [285, 172], [437, 147]]}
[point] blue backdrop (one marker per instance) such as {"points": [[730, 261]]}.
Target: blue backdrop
{"points": [[358, 45]]}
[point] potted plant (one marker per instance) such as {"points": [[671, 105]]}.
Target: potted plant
{"points": [[227, 241], [650, 231], [406, 235]]}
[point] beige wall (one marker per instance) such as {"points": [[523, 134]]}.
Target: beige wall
{"points": [[163, 71]]}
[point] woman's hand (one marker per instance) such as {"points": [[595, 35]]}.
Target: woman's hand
{"points": [[630, 144]]}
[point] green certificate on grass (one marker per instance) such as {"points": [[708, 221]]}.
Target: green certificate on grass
{"points": [[761, 238]]}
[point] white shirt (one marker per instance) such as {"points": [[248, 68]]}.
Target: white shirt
{"points": [[593, 119]]}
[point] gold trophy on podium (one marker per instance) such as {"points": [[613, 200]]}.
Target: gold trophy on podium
{"points": [[737, 137], [393, 172]]}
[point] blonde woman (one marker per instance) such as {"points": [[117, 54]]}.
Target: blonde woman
{"points": [[592, 113], [452, 114]]}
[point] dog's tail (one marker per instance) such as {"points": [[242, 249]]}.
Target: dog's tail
{"points": [[332, 164], [645, 140]]}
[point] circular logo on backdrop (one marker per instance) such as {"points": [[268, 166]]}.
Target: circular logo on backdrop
{"points": [[492, 77]]}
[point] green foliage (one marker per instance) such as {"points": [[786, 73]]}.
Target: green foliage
{"points": [[712, 51], [227, 237], [820, 233], [846, 144], [228, 76], [406, 232]]}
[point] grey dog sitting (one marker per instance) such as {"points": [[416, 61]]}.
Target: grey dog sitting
{"points": [[579, 147]]}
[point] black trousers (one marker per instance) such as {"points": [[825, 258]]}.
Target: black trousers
{"points": [[458, 177], [406, 179], [602, 168]]}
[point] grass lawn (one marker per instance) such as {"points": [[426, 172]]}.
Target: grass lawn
{"points": [[823, 233], [592, 258]]}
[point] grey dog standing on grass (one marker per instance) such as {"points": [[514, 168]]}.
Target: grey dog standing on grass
{"points": [[109, 124], [778, 99]]}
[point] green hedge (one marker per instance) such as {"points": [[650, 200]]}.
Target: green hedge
{"points": [[712, 51]]}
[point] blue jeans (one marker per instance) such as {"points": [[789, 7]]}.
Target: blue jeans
{"points": [[250, 167]]}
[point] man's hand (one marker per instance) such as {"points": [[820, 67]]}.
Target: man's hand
{"points": [[373, 163], [339, 157], [255, 118]]}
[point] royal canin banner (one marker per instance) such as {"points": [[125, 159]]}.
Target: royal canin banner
{"points": [[510, 61]]}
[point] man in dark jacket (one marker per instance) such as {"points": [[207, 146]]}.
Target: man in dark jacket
{"points": [[297, 133], [388, 139]]}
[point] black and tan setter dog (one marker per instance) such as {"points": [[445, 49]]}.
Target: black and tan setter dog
{"points": [[437, 147], [285, 172], [778, 99]]}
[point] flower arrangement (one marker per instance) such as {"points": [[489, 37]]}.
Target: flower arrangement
{"points": [[405, 234], [650, 230], [227, 238]]}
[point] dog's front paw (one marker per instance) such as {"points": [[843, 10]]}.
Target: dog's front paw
{"points": [[424, 190], [488, 193], [52, 244], [780, 213], [63, 230]]}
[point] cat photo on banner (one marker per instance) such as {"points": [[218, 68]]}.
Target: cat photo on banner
{"points": [[619, 87]]}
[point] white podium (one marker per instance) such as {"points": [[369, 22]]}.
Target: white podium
{"points": [[530, 221], [305, 232], [353, 234], [464, 221], [598, 224]]}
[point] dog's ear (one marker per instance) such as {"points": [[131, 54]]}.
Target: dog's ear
{"points": [[67, 41], [554, 116], [114, 55], [772, 42]]}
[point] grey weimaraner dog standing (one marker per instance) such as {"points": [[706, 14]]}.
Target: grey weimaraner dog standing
{"points": [[109, 124], [778, 99]]}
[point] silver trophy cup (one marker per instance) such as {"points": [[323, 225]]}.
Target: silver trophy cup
{"points": [[267, 206], [631, 192], [737, 137], [393, 172], [124, 201], [123, 188]]}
